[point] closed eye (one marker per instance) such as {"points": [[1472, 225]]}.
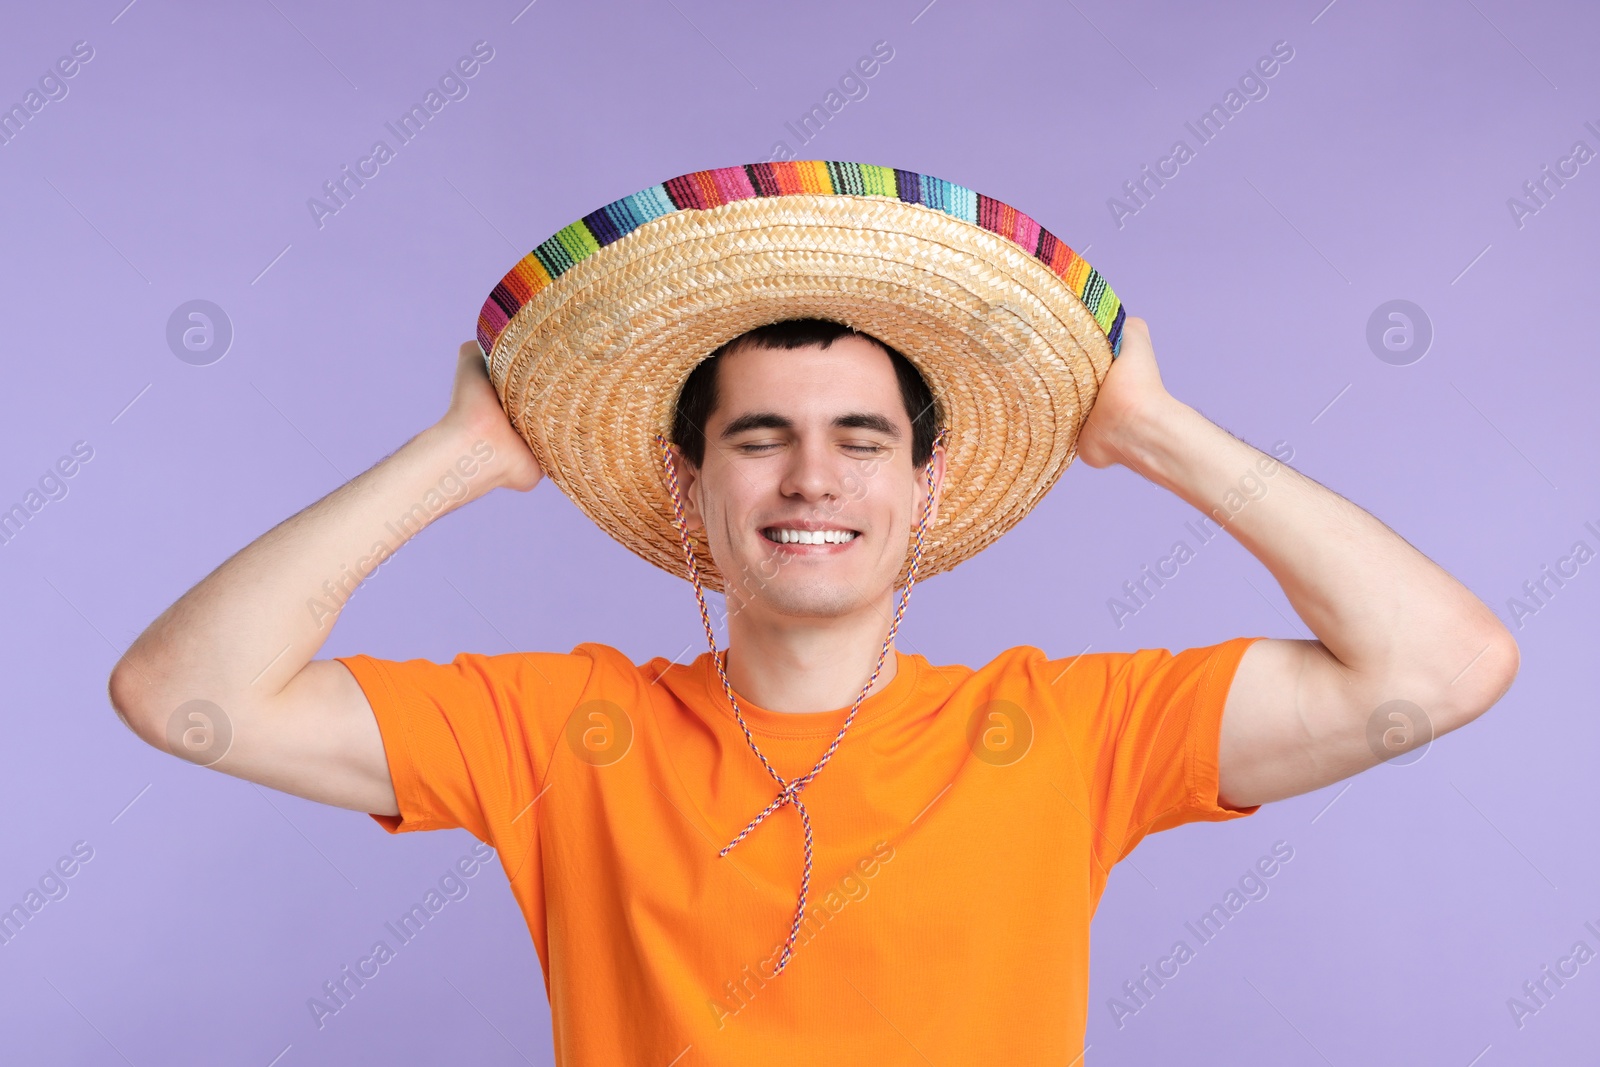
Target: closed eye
{"points": [[756, 447]]}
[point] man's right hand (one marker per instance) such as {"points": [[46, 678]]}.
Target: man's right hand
{"points": [[475, 414]]}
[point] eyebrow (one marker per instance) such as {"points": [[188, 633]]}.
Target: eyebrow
{"points": [[771, 420]]}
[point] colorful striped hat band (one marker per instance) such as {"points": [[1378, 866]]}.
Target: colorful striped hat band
{"points": [[588, 338]]}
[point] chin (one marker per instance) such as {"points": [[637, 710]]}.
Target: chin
{"points": [[810, 598], [813, 603]]}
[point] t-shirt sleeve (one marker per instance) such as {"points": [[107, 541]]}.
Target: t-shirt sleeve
{"points": [[469, 742], [1144, 729]]}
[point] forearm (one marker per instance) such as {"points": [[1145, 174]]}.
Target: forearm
{"points": [[250, 625], [1380, 607]]}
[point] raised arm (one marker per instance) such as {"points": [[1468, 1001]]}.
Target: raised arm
{"points": [[1391, 624], [225, 676]]}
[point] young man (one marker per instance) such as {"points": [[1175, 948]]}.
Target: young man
{"points": [[952, 829]]}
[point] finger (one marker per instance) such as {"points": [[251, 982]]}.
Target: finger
{"points": [[469, 363]]}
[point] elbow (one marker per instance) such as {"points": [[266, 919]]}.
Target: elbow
{"points": [[148, 704], [1507, 662], [125, 691], [1491, 668]]}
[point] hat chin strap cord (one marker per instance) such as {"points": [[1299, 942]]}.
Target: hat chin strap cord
{"points": [[789, 791]]}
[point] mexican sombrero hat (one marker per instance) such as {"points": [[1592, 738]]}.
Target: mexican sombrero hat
{"points": [[589, 337]]}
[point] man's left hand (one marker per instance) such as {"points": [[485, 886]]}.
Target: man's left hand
{"points": [[1131, 391]]}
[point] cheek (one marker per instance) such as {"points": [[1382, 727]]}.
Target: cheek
{"points": [[721, 505]]}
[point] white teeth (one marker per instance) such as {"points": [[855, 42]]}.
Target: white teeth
{"points": [[811, 537]]}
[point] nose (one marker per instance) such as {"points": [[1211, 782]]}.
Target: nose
{"points": [[814, 472]]}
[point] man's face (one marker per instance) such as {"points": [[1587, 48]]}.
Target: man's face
{"points": [[810, 443]]}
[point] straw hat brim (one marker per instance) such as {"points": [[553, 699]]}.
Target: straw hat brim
{"points": [[589, 366]]}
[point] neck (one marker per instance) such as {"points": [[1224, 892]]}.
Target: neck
{"points": [[800, 665]]}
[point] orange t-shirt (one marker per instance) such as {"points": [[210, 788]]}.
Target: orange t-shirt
{"points": [[963, 832]]}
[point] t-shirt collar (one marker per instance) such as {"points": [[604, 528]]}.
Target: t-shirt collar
{"points": [[909, 667]]}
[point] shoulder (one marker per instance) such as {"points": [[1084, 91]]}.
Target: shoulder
{"points": [[1021, 672], [1103, 665], [586, 665], [1053, 669], [613, 670], [1085, 678]]}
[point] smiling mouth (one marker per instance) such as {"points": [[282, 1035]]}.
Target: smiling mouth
{"points": [[785, 536]]}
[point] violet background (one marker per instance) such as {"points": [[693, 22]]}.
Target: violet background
{"points": [[1379, 166]]}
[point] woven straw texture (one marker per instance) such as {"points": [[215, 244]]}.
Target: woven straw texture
{"points": [[589, 367]]}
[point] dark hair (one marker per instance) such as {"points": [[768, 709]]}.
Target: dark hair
{"points": [[698, 398]]}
